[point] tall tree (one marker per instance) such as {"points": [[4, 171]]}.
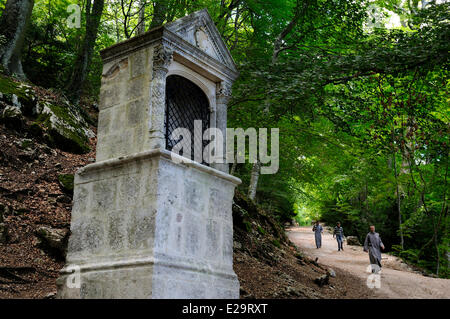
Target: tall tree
{"points": [[298, 12], [13, 24], [141, 22], [81, 66], [160, 9], [256, 170]]}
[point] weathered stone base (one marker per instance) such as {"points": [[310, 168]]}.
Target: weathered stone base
{"points": [[144, 226], [110, 283], [148, 280], [186, 281]]}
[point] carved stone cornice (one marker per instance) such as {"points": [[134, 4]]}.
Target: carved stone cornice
{"points": [[173, 41], [224, 91], [162, 57]]}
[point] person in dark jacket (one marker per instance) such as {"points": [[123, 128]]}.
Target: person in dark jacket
{"points": [[339, 234]]}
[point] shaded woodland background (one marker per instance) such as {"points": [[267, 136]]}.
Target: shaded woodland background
{"points": [[359, 90]]}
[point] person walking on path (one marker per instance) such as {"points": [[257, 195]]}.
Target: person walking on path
{"points": [[339, 234], [373, 244], [318, 230]]}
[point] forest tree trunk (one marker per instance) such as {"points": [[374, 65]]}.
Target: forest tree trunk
{"points": [[233, 167], [398, 198], [254, 180], [141, 21], [116, 23], [84, 56], [277, 48], [13, 24], [159, 13]]}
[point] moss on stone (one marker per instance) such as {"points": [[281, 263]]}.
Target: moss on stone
{"points": [[8, 86], [12, 117], [66, 181], [65, 132], [62, 113], [11, 112], [248, 226], [35, 129], [61, 136], [261, 230], [276, 243], [26, 143], [68, 140]]}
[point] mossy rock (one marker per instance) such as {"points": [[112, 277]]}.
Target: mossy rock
{"points": [[248, 226], [18, 94], [53, 240], [9, 87], [64, 129], [35, 129], [26, 143], [66, 181], [276, 243], [62, 123], [261, 230], [68, 141], [11, 112], [12, 117]]}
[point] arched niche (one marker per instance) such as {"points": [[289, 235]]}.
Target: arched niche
{"points": [[206, 85], [185, 102]]}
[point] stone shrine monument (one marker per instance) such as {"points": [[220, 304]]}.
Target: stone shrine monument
{"points": [[144, 225]]}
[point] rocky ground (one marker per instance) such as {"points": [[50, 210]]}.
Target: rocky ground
{"points": [[40, 134], [32, 197]]}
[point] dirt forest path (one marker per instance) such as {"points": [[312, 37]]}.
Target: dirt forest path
{"points": [[397, 280]]}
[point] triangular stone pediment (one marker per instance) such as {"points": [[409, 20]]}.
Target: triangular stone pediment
{"points": [[199, 30]]}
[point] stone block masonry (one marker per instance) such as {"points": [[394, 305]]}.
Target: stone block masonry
{"points": [[125, 105], [146, 227]]}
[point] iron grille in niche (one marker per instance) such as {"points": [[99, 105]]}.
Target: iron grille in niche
{"points": [[185, 102]]}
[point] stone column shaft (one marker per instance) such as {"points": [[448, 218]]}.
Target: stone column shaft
{"points": [[162, 57], [222, 98]]}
